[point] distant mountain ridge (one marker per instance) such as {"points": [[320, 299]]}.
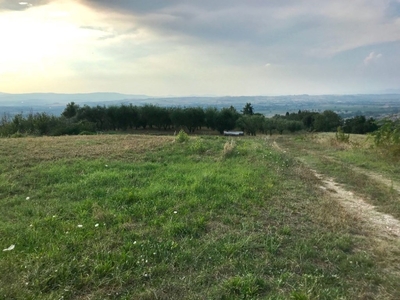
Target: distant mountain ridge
{"points": [[62, 99], [375, 105]]}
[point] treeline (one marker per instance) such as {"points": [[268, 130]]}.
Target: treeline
{"points": [[86, 119], [329, 121]]}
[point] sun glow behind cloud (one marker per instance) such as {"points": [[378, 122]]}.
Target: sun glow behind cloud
{"points": [[45, 42]]}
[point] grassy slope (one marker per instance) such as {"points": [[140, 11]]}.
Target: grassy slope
{"points": [[356, 164], [166, 220]]}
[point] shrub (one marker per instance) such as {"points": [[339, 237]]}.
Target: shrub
{"points": [[388, 136], [341, 136], [182, 136], [198, 146], [18, 135]]}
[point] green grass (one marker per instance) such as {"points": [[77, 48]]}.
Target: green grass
{"points": [[157, 219], [357, 165]]}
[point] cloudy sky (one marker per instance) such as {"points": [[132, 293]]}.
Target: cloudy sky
{"points": [[200, 47]]}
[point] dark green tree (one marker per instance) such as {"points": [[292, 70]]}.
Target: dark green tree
{"points": [[70, 110], [251, 123], [210, 115], [248, 109], [328, 121], [226, 119]]}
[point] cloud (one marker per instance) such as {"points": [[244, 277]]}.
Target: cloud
{"points": [[21, 5], [393, 9], [372, 57], [203, 46], [312, 27]]}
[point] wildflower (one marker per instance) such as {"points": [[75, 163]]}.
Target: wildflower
{"points": [[106, 166], [9, 248], [80, 226], [175, 212], [97, 225], [134, 242], [27, 198]]}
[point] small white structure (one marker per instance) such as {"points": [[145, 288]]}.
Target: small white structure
{"points": [[233, 133]]}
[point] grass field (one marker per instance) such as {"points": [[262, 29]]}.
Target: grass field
{"points": [[146, 217]]}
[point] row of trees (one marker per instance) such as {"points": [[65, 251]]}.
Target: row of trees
{"points": [[76, 119], [329, 121]]}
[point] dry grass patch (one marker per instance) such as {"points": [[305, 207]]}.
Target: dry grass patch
{"points": [[67, 147]]}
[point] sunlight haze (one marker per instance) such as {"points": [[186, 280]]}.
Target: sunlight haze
{"points": [[163, 48]]}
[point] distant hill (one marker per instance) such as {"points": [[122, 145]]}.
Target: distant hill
{"points": [[53, 98], [370, 105]]}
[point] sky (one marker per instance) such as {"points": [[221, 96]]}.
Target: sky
{"points": [[200, 47]]}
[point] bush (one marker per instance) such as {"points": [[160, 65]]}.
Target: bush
{"points": [[387, 137], [18, 135], [341, 136], [198, 146], [182, 136]]}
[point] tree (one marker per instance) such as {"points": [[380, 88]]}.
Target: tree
{"points": [[328, 121], [359, 125], [70, 110], [248, 109], [226, 119], [177, 116], [269, 125], [251, 123], [210, 115], [194, 118]]}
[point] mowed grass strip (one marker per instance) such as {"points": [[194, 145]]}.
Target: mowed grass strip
{"points": [[156, 219]]}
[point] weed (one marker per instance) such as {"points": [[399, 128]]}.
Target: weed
{"points": [[341, 136], [229, 149], [244, 287], [198, 146], [182, 137]]}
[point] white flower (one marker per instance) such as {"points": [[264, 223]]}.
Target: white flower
{"points": [[80, 226], [27, 198], [9, 248], [175, 212], [106, 166], [97, 225]]}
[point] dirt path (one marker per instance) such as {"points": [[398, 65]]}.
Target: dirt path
{"points": [[374, 176], [384, 225]]}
